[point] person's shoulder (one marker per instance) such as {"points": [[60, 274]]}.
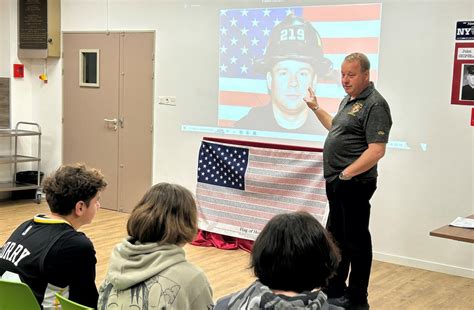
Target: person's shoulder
{"points": [[20, 228], [467, 87], [223, 303], [377, 101], [376, 98], [193, 271], [246, 293], [71, 248], [27, 222], [187, 275], [254, 116], [78, 239], [74, 243]]}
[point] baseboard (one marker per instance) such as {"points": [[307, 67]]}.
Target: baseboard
{"points": [[423, 264], [5, 196]]}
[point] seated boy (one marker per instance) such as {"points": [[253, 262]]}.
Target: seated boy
{"points": [[47, 252]]}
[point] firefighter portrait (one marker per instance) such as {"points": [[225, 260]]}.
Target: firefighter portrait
{"points": [[293, 61]]}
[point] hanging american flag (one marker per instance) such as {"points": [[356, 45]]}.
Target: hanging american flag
{"points": [[244, 34], [241, 185]]}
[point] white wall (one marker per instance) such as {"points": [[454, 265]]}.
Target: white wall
{"points": [[5, 171], [417, 191], [422, 190], [4, 39], [31, 100], [7, 59]]}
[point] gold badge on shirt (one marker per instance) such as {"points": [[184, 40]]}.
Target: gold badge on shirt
{"points": [[356, 108]]}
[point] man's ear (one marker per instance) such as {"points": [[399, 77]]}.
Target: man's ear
{"points": [[269, 81], [367, 75], [79, 208]]}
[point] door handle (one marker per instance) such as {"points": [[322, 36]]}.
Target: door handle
{"points": [[113, 122]]}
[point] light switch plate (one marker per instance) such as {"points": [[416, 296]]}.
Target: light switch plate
{"points": [[168, 100]]}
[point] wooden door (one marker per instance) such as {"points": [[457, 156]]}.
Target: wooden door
{"points": [[136, 112], [107, 122]]}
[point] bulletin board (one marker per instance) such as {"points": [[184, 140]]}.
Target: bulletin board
{"points": [[463, 58]]}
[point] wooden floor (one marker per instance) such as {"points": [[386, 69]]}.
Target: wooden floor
{"points": [[391, 287]]}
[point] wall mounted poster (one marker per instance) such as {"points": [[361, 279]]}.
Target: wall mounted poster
{"points": [[462, 91], [464, 31]]}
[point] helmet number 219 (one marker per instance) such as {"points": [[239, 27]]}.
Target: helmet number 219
{"points": [[290, 34]]}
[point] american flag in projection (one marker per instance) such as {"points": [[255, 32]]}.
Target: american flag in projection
{"points": [[244, 35], [241, 187]]}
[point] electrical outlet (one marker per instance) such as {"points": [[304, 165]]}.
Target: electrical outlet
{"points": [[168, 100]]}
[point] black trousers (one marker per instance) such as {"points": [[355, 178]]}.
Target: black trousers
{"points": [[349, 214]]}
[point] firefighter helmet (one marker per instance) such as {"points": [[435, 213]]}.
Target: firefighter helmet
{"points": [[295, 39]]}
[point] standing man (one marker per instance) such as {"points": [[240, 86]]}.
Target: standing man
{"points": [[293, 61], [357, 139], [47, 252]]}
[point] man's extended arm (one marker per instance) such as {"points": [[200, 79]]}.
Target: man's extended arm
{"points": [[366, 160], [324, 117]]}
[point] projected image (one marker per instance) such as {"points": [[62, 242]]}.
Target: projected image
{"points": [[269, 57]]}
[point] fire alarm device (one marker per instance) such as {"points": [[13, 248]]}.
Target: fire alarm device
{"points": [[18, 70]]}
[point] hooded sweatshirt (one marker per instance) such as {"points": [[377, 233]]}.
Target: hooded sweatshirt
{"points": [[152, 276], [259, 296]]}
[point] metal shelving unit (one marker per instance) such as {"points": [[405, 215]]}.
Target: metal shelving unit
{"points": [[14, 134]]}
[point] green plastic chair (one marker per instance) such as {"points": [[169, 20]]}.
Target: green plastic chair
{"points": [[16, 295], [67, 304]]}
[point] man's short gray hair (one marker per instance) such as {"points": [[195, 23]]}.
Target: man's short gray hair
{"points": [[361, 58]]}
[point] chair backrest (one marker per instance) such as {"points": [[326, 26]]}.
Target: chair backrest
{"points": [[67, 304], [16, 295]]}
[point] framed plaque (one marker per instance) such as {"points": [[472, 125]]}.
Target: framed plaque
{"points": [[33, 24]]}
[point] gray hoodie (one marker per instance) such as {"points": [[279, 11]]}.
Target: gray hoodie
{"points": [[149, 276], [258, 296]]}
